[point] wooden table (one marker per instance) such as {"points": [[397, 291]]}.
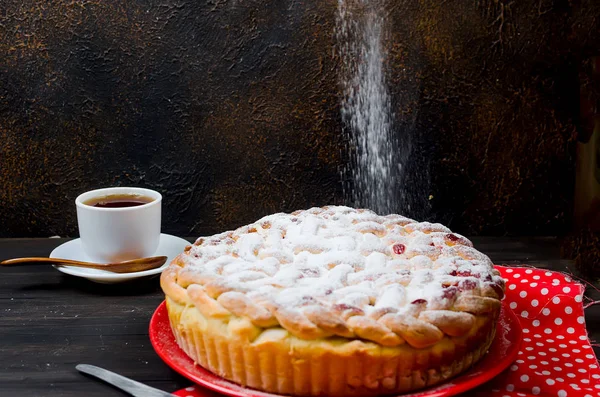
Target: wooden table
{"points": [[49, 322]]}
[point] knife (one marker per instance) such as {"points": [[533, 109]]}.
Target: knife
{"points": [[130, 386]]}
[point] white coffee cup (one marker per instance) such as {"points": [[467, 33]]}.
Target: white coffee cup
{"points": [[119, 234]]}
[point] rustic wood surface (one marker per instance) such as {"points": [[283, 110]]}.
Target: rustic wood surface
{"points": [[49, 322]]}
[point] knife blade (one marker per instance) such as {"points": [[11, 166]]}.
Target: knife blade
{"points": [[130, 386]]}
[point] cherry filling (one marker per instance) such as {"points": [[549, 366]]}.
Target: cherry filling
{"points": [[419, 302], [465, 273], [466, 285], [450, 288], [449, 292], [399, 249], [342, 307], [452, 237]]}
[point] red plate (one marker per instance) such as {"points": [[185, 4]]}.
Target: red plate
{"points": [[502, 353]]}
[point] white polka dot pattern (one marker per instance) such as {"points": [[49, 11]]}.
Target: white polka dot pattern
{"points": [[560, 361], [555, 357]]}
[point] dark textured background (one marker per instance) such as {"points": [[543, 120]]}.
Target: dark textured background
{"points": [[230, 108]]}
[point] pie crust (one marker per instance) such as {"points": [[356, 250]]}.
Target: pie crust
{"points": [[334, 301]]}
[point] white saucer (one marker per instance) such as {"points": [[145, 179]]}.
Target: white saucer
{"points": [[169, 246]]}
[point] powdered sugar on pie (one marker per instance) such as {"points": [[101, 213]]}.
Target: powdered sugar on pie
{"points": [[342, 271]]}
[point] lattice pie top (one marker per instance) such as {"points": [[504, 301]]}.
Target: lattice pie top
{"points": [[337, 271]]}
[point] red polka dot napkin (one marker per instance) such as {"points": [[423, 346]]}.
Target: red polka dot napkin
{"points": [[555, 358]]}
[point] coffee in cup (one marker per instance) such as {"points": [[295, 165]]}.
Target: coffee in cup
{"points": [[119, 223]]}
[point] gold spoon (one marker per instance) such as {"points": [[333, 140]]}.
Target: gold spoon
{"points": [[135, 265]]}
